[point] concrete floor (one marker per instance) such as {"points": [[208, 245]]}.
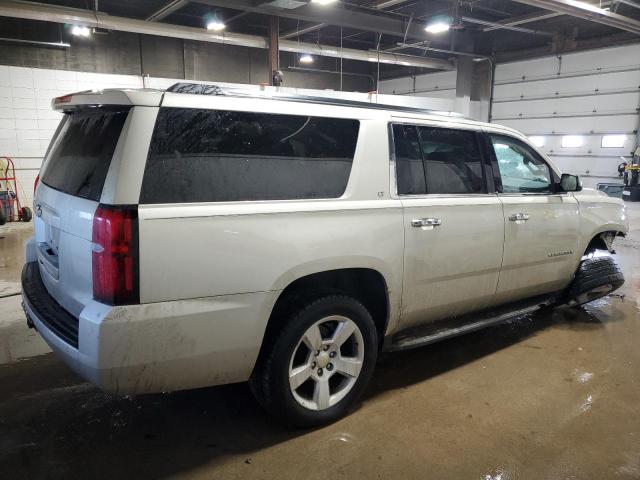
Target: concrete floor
{"points": [[548, 396]]}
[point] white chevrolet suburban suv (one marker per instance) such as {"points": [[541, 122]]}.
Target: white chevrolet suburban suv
{"points": [[201, 236]]}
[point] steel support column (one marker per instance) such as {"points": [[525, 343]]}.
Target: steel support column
{"points": [[274, 50]]}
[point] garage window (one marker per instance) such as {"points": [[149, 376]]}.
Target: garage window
{"points": [[223, 156]]}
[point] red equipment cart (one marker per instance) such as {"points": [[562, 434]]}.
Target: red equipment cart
{"points": [[11, 209]]}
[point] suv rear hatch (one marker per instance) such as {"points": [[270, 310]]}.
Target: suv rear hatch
{"points": [[71, 182]]}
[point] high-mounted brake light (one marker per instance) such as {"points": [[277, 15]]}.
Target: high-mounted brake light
{"points": [[62, 99], [115, 255]]}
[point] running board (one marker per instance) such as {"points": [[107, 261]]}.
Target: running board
{"points": [[427, 334]]}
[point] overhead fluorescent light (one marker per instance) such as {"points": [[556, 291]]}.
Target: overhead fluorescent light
{"points": [[538, 141], [613, 141], [323, 2], [80, 31], [584, 6], [216, 25], [572, 141], [306, 58], [437, 27]]}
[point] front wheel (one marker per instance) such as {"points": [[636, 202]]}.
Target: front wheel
{"points": [[319, 364], [596, 277]]}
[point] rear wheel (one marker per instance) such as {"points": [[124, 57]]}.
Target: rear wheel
{"points": [[319, 364], [3, 217], [597, 277]]}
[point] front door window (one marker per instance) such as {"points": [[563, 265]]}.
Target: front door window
{"points": [[521, 169]]}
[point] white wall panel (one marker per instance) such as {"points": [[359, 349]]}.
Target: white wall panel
{"points": [[592, 61], [442, 84], [623, 103], [27, 121], [614, 124], [516, 70], [604, 82], [605, 57], [587, 93]]}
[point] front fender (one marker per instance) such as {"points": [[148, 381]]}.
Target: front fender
{"points": [[600, 213]]}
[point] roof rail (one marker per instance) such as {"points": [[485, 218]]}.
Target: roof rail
{"points": [[212, 89]]}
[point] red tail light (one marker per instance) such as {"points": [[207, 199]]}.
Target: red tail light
{"points": [[35, 184], [115, 255]]}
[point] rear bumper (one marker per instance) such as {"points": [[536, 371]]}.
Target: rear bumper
{"points": [[163, 346]]}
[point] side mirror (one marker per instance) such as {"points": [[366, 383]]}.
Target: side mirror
{"points": [[570, 183]]}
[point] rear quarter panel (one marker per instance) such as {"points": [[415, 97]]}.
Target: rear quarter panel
{"points": [[212, 249]]}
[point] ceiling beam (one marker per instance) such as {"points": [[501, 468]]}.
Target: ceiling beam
{"points": [[629, 2], [533, 17], [166, 10], [425, 46], [330, 15], [379, 5], [90, 18], [302, 31], [382, 4], [507, 27], [521, 20], [586, 11]]}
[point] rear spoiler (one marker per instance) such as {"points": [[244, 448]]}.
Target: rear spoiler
{"points": [[129, 97]]}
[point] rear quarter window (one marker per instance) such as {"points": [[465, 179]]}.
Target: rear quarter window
{"points": [[222, 156], [81, 155]]}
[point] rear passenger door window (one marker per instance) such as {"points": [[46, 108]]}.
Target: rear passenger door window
{"points": [[431, 160], [223, 156], [409, 166], [452, 161], [521, 169]]}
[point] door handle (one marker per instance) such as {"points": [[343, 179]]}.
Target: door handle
{"points": [[519, 217], [426, 222]]}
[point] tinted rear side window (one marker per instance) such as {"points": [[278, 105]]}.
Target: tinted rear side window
{"points": [[80, 159], [222, 156], [409, 166], [452, 161]]}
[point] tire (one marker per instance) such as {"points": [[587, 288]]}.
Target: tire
{"points": [[596, 277], [308, 404], [25, 214], [3, 217]]}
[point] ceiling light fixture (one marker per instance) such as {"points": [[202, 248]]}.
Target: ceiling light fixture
{"points": [[216, 25], [323, 2], [437, 27], [214, 22], [585, 6], [80, 31], [306, 58]]}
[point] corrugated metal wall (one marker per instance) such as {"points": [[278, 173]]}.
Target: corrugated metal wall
{"points": [[589, 94]]}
